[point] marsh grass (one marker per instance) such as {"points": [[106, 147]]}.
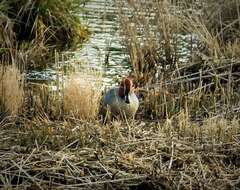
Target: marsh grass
{"points": [[34, 28], [76, 151], [161, 37], [11, 90], [72, 96], [202, 95], [183, 55], [171, 154], [186, 135], [82, 96]]}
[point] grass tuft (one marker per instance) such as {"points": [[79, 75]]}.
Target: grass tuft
{"points": [[81, 96], [30, 30], [11, 89]]}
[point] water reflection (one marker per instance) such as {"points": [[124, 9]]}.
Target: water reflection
{"points": [[103, 52], [104, 49]]}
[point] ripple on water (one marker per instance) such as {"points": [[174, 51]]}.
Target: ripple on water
{"points": [[101, 17]]}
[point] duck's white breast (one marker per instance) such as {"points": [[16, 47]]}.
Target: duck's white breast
{"points": [[118, 105]]}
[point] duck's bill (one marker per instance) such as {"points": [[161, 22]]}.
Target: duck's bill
{"points": [[127, 99]]}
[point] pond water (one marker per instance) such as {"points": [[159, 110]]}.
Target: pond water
{"points": [[103, 51]]}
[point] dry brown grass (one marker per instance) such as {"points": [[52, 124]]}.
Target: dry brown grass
{"points": [[191, 141], [202, 94], [185, 55], [151, 36], [163, 36], [11, 89], [171, 154], [82, 96]]}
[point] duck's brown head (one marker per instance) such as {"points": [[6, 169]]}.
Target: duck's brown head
{"points": [[126, 86]]}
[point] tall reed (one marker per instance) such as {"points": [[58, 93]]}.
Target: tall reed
{"points": [[180, 51]]}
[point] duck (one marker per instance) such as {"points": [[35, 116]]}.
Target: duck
{"points": [[122, 100]]}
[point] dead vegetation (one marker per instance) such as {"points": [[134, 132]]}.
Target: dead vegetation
{"points": [[168, 155], [11, 90], [82, 96], [183, 55]]}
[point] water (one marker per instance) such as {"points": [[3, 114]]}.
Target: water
{"points": [[103, 52]]}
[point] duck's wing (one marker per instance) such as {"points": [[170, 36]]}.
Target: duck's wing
{"points": [[110, 96]]}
